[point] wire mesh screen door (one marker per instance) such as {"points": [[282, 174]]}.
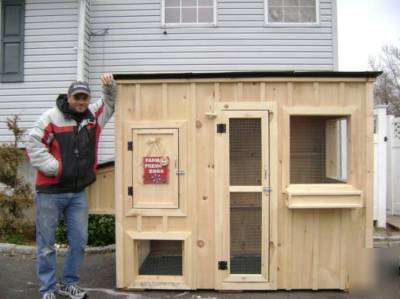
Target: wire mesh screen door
{"points": [[242, 183]]}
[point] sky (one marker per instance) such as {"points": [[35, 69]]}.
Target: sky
{"points": [[364, 26]]}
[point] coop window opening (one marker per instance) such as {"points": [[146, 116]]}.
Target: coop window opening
{"points": [[319, 149], [160, 257]]}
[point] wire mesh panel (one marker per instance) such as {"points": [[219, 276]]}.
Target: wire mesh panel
{"points": [[315, 142], [245, 151], [160, 257], [245, 232], [307, 150]]}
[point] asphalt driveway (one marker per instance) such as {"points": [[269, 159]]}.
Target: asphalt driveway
{"points": [[18, 281]]}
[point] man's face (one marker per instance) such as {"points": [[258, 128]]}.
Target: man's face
{"points": [[79, 102]]}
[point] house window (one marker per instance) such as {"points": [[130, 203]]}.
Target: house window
{"points": [[189, 11], [318, 149], [291, 11], [12, 40]]}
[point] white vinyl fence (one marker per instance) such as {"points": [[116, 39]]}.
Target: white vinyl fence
{"points": [[393, 169], [380, 164]]}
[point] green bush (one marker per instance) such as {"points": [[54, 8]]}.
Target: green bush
{"points": [[101, 231], [16, 194]]}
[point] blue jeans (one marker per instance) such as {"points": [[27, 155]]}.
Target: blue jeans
{"points": [[49, 208]]}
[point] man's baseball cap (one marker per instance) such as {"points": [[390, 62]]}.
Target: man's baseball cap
{"points": [[79, 87]]}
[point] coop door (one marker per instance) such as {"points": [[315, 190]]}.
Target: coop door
{"points": [[242, 199], [158, 166]]}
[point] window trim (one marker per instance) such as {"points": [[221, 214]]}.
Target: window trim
{"points": [[188, 25], [347, 112], [308, 196], [294, 24]]}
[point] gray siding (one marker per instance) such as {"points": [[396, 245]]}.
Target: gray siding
{"points": [[241, 41], [50, 62], [136, 42]]}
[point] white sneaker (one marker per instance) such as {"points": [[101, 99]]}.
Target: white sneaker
{"points": [[49, 295], [72, 290]]}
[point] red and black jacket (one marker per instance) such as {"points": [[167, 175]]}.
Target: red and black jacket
{"points": [[63, 148]]}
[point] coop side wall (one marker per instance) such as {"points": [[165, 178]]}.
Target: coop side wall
{"points": [[316, 248]]}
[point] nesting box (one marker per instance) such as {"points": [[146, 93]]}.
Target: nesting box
{"points": [[244, 181]]}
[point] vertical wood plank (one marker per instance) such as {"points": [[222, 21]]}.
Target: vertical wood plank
{"points": [[138, 101], [369, 148], [119, 198], [206, 94], [139, 223], [288, 271], [343, 249], [192, 181], [315, 250], [263, 92], [164, 100], [317, 98], [342, 87], [239, 95], [151, 101], [290, 93], [329, 94], [165, 224]]}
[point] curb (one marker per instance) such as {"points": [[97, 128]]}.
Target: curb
{"points": [[12, 249], [387, 238]]}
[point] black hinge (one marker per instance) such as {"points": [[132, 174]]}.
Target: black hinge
{"points": [[222, 265], [130, 191], [130, 145], [221, 128]]}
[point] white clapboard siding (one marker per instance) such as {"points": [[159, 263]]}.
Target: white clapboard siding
{"points": [[135, 41], [49, 62]]}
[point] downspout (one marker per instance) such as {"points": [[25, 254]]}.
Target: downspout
{"points": [[81, 49]]}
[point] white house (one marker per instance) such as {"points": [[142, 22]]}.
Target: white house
{"points": [[46, 44]]}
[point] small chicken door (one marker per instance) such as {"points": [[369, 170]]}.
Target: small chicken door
{"points": [[157, 168]]}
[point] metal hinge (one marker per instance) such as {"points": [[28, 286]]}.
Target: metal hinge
{"points": [[180, 172], [130, 191], [130, 145], [221, 128], [222, 265]]}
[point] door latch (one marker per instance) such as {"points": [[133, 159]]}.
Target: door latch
{"points": [[180, 172], [267, 189]]}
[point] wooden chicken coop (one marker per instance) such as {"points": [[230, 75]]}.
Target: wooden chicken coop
{"points": [[244, 181]]}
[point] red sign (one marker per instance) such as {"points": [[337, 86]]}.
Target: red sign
{"points": [[155, 170]]}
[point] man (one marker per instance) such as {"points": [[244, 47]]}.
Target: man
{"points": [[62, 146]]}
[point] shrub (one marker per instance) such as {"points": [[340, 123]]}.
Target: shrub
{"points": [[101, 231], [16, 195]]}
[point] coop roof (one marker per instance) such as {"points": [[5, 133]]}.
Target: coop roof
{"points": [[249, 74]]}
